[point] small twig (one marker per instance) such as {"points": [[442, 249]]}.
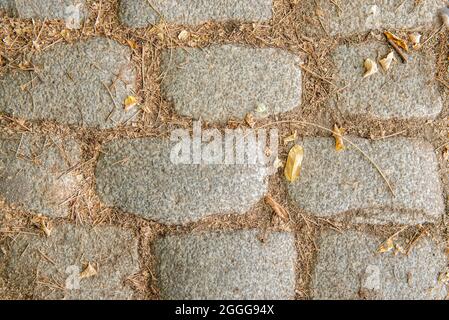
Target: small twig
{"points": [[155, 10], [97, 20], [317, 75], [398, 50], [433, 35]]}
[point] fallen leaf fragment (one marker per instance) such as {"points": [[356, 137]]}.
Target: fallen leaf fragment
{"points": [[89, 271], [294, 163], [398, 41], [385, 63], [132, 44], [261, 108], [277, 164], [43, 224], [338, 135], [291, 138], [280, 211], [249, 119], [130, 102], [415, 39], [370, 68], [387, 246], [183, 35]]}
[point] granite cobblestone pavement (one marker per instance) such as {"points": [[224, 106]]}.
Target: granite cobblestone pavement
{"points": [[84, 85]]}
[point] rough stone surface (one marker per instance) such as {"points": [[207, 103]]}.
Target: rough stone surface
{"points": [[69, 86], [233, 265], [34, 172], [333, 183], [44, 9], [360, 16], [227, 81], [406, 91], [349, 267], [137, 176], [60, 259], [139, 13], [7, 5]]}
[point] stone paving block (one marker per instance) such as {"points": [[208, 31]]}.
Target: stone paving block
{"points": [[46, 9], [406, 91], [139, 13], [360, 16], [232, 265], [69, 85], [227, 81], [138, 176], [333, 183], [34, 172], [7, 5], [349, 267], [59, 262]]}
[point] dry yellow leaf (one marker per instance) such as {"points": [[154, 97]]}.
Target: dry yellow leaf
{"points": [[130, 102], [385, 63], [280, 211], [89, 271], [387, 246], [249, 119], [132, 44], [338, 135], [370, 68], [294, 163], [399, 42]]}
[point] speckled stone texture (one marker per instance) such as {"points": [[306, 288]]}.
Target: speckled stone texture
{"points": [[360, 16], [226, 81], [333, 183], [234, 265], [7, 6], [138, 176], [69, 86], [34, 172], [406, 91], [58, 262], [44, 9], [349, 267], [139, 13]]}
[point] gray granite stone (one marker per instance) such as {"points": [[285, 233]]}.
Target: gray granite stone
{"points": [[406, 91], [232, 265], [350, 267], [139, 13], [51, 268], [69, 85], [359, 16], [138, 176], [230, 81], [7, 6], [45, 9], [34, 172], [333, 183]]}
